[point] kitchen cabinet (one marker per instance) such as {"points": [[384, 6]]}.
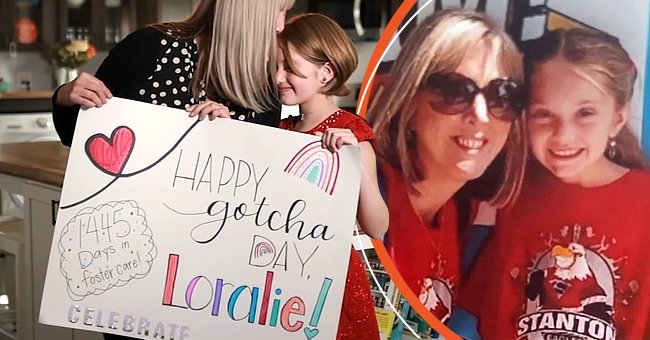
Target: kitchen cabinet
{"points": [[102, 22], [26, 24], [39, 231], [41, 205], [36, 170], [34, 25], [362, 20], [175, 10]]}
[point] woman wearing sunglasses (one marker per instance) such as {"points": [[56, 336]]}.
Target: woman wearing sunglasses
{"points": [[569, 259], [449, 109]]}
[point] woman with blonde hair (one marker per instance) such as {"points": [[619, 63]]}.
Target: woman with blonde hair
{"points": [[449, 134], [214, 63]]}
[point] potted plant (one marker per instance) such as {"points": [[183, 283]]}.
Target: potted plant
{"points": [[67, 58]]}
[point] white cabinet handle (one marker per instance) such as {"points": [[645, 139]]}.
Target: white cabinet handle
{"points": [[42, 122], [356, 15], [55, 210]]}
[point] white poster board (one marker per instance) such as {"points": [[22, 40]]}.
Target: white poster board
{"points": [[178, 229]]}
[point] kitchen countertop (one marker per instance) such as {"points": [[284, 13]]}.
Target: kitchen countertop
{"points": [[26, 102], [26, 94], [42, 162]]}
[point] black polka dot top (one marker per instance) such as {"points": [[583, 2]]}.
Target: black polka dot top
{"points": [[169, 85], [152, 66]]}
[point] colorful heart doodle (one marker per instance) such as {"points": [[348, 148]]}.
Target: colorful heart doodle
{"points": [[310, 333], [111, 154]]}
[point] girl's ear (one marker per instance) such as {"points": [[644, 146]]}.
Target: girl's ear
{"points": [[326, 73], [619, 120]]}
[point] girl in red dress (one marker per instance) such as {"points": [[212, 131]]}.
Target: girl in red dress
{"points": [[315, 60]]}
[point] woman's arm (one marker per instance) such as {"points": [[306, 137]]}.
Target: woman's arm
{"points": [[65, 119], [83, 92], [132, 57]]}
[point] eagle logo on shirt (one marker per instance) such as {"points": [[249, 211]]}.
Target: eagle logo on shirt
{"points": [[436, 295], [569, 294], [569, 285]]}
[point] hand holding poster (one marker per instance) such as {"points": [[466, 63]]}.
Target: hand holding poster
{"points": [[179, 229]]}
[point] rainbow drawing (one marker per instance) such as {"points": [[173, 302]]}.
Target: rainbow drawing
{"points": [[262, 249], [316, 165]]}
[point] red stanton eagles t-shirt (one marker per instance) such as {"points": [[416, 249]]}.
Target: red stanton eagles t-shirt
{"points": [[567, 262]]}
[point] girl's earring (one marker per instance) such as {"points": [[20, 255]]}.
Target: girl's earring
{"points": [[410, 138], [611, 148], [323, 80]]}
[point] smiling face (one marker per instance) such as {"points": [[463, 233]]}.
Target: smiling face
{"points": [[460, 147], [570, 120], [294, 88]]}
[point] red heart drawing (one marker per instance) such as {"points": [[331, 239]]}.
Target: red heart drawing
{"points": [[110, 154]]}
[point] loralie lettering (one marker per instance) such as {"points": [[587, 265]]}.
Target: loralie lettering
{"points": [[281, 311]]}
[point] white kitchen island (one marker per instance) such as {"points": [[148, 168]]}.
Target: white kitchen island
{"points": [[36, 170]]}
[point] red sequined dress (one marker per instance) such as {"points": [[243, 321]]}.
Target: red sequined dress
{"points": [[358, 320]]}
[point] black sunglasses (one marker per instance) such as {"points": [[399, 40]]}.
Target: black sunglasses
{"points": [[453, 93]]}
